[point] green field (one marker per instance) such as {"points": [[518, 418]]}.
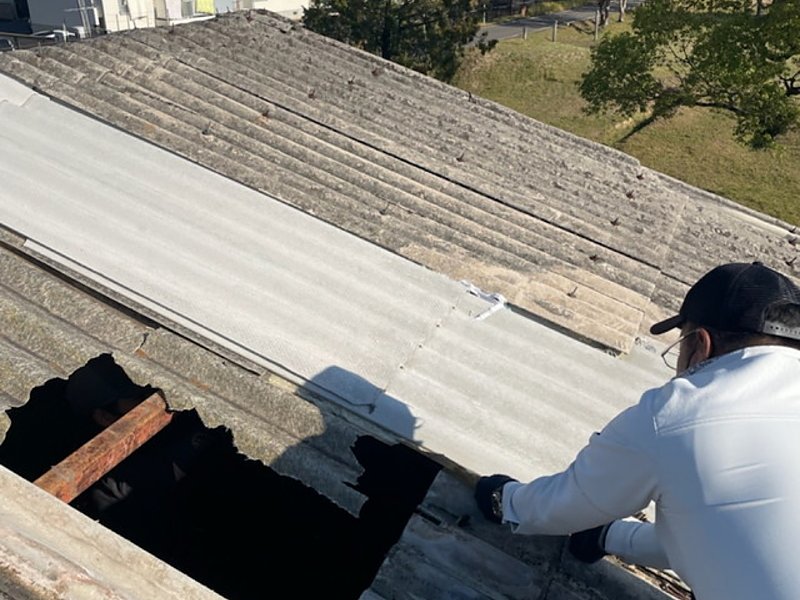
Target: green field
{"points": [[538, 77]]}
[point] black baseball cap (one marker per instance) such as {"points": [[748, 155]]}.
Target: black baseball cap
{"points": [[734, 297]]}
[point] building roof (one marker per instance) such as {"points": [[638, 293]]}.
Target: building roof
{"points": [[279, 291], [54, 323], [416, 362], [324, 270], [562, 227]]}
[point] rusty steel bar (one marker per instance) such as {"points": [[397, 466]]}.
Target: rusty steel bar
{"points": [[106, 450]]}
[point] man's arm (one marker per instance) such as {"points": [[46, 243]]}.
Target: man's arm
{"points": [[614, 476], [636, 543], [629, 539]]}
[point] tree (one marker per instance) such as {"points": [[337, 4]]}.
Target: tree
{"points": [[604, 11], [429, 36], [738, 56]]}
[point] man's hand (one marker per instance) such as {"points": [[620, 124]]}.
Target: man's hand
{"points": [[485, 496], [588, 546]]}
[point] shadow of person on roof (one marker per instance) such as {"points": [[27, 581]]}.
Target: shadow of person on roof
{"points": [[359, 395], [335, 500], [377, 460]]}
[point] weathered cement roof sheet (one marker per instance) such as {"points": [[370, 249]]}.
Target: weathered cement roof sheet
{"points": [[256, 280], [51, 329], [569, 230], [55, 326], [52, 326], [56, 319], [562, 227], [443, 555], [50, 551]]}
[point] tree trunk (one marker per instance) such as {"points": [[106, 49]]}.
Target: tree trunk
{"points": [[604, 6], [386, 32]]}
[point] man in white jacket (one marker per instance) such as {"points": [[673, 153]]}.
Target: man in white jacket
{"points": [[717, 449]]}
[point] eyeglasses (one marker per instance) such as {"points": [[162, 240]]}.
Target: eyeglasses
{"points": [[672, 352]]}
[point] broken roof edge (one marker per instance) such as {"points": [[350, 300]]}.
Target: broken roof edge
{"points": [[300, 437], [279, 377], [79, 558], [135, 361], [448, 519]]}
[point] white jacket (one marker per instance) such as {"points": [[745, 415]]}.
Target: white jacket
{"points": [[718, 451]]}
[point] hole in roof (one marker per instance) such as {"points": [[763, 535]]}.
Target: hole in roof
{"points": [[190, 498]]}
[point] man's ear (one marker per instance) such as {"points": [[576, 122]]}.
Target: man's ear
{"points": [[703, 346]]}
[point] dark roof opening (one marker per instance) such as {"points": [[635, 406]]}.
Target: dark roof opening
{"points": [[190, 498], [58, 418]]}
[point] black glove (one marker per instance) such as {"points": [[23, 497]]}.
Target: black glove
{"points": [[588, 546], [484, 489]]}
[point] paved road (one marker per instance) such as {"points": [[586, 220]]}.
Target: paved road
{"points": [[516, 27]]}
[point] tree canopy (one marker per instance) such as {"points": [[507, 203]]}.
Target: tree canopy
{"points": [[739, 56], [429, 36]]}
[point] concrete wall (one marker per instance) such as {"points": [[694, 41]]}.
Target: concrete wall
{"points": [[139, 13]]}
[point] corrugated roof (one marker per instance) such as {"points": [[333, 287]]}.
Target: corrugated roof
{"points": [[466, 189], [51, 327], [451, 181], [78, 558], [394, 341], [439, 390]]}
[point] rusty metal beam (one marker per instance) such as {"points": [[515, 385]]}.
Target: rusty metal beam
{"points": [[106, 450]]}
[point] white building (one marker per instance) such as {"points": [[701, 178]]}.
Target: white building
{"points": [[85, 17]]}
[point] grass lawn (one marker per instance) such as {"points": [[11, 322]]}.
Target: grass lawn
{"points": [[539, 78]]}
